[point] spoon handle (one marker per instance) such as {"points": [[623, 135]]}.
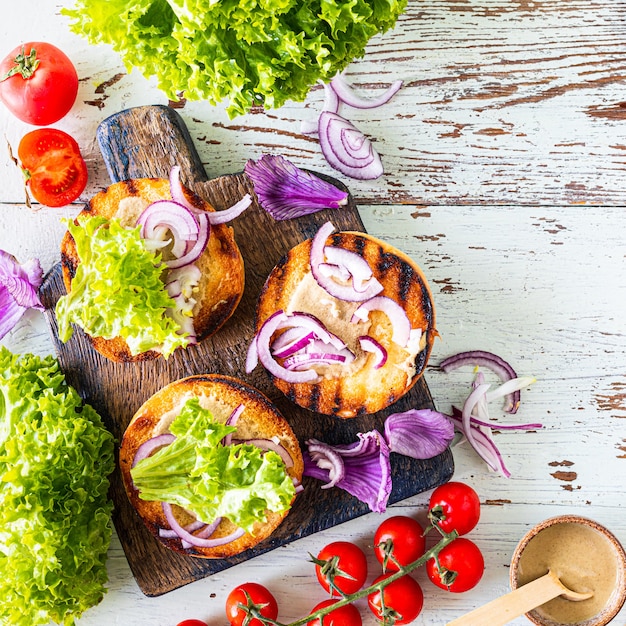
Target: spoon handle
{"points": [[506, 608]]}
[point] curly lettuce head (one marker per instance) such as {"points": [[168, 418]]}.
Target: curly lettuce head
{"points": [[250, 52], [55, 530]]}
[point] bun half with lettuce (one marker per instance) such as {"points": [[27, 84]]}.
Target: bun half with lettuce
{"points": [[210, 466], [149, 267], [344, 324]]}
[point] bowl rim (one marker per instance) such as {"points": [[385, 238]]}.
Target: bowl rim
{"points": [[617, 600]]}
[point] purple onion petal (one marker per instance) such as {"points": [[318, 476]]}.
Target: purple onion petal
{"points": [[418, 433], [287, 192]]}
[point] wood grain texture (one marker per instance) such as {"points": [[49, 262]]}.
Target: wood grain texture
{"points": [[147, 141]]}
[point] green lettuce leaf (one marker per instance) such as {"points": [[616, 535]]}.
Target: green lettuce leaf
{"points": [[118, 290], [55, 530], [250, 52], [197, 472]]}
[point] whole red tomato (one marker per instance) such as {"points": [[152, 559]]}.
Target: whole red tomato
{"points": [[400, 602], [249, 594], [399, 539], [461, 566], [38, 83], [54, 168], [456, 506], [347, 615], [343, 562], [192, 622]]}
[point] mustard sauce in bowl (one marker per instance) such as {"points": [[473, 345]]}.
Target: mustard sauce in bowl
{"points": [[586, 557]]}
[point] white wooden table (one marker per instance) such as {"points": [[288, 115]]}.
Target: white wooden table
{"points": [[505, 155]]}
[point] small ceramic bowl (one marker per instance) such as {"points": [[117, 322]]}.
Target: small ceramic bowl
{"points": [[586, 557]]}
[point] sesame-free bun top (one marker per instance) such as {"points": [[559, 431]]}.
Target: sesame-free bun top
{"points": [[222, 271], [359, 388], [221, 395]]}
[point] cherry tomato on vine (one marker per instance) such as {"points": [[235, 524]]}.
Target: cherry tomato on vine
{"points": [[347, 615], [399, 538], [249, 594], [456, 506], [347, 562], [38, 83], [403, 600], [53, 166], [462, 566], [192, 622]]}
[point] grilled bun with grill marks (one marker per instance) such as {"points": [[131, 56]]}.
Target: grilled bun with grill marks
{"points": [[221, 265], [220, 395], [361, 387]]}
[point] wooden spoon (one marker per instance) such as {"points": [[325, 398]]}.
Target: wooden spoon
{"points": [[525, 598]]}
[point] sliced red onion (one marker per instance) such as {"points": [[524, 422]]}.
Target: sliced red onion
{"points": [[151, 445], [484, 445], [264, 354], [305, 360], [168, 533], [233, 418], [492, 424], [491, 361], [331, 99], [198, 542], [287, 192], [345, 93], [309, 321], [418, 433], [369, 344], [347, 149], [342, 292], [356, 266], [176, 218], [293, 340], [400, 322], [193, 253], [227, 215], [176, 188]]}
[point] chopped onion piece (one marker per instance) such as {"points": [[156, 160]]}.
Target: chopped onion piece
{"points": [[287, 192], [400, 322], [342, 292], [345, 93], [347, 149], [369, 344], [366, 467], [418, 433]]}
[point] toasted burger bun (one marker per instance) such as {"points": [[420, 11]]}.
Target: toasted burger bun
{"points": [[360, 388], [221, 395], [221, 264]]}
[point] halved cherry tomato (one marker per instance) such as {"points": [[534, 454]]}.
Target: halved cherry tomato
{"points": [[399, 539], [456, 506], [347, 615], [249, 594], [54, 168], [192, 622], [461, 566], [400, 601], [38, 83], [345, 563]]}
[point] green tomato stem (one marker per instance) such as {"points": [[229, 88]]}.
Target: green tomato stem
{"points": [[25, 65]]}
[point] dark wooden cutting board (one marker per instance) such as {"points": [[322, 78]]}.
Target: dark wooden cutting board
{"points": [[148, 141]]}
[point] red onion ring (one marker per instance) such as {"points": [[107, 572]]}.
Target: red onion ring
{"points": [[345, 93], [288, 346], [197, 542], [346, 148], [308, 359], [198, 246], [401, 333], [491, 361]]}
